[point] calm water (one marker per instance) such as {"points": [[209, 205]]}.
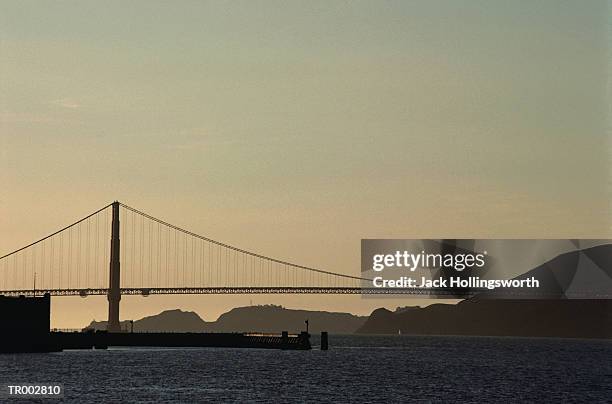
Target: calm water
{"points": [[355, 369]]}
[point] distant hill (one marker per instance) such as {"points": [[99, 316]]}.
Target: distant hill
{"points": [[243, 319], [274, 318], [166, 321], [572, 318]]}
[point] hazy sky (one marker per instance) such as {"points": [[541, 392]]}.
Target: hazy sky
{"points": [[297, 128]]}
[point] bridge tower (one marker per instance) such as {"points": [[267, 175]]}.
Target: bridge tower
{"points": [[114, 287]]}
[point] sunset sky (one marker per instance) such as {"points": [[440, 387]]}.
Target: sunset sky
{"points": [[295, 129]]}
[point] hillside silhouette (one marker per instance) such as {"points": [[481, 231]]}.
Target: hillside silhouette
{"points": [[267, 318], [526, 318]]}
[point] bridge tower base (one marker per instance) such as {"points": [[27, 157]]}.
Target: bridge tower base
{"points": [[114, 287]]}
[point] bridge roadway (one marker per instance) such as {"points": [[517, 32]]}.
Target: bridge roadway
{"points": [[235, 290]]}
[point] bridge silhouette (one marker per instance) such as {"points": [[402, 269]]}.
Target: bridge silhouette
{"points": [[119, 250]]}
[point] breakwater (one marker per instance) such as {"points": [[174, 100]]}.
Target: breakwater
{"points": [[103, 340]]}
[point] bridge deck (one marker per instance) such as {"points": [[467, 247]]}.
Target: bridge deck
{"points": [[233, 290]]}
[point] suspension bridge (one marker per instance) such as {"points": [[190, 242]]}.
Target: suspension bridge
{"points": [[119, 250]]}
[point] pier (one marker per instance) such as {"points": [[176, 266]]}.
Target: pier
{"points": [[103, 340]]}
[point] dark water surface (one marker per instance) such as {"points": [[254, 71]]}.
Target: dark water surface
{"points": [[356, 369]]}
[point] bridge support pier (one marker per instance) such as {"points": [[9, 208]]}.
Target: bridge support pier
{"points": [[114, 287]]}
